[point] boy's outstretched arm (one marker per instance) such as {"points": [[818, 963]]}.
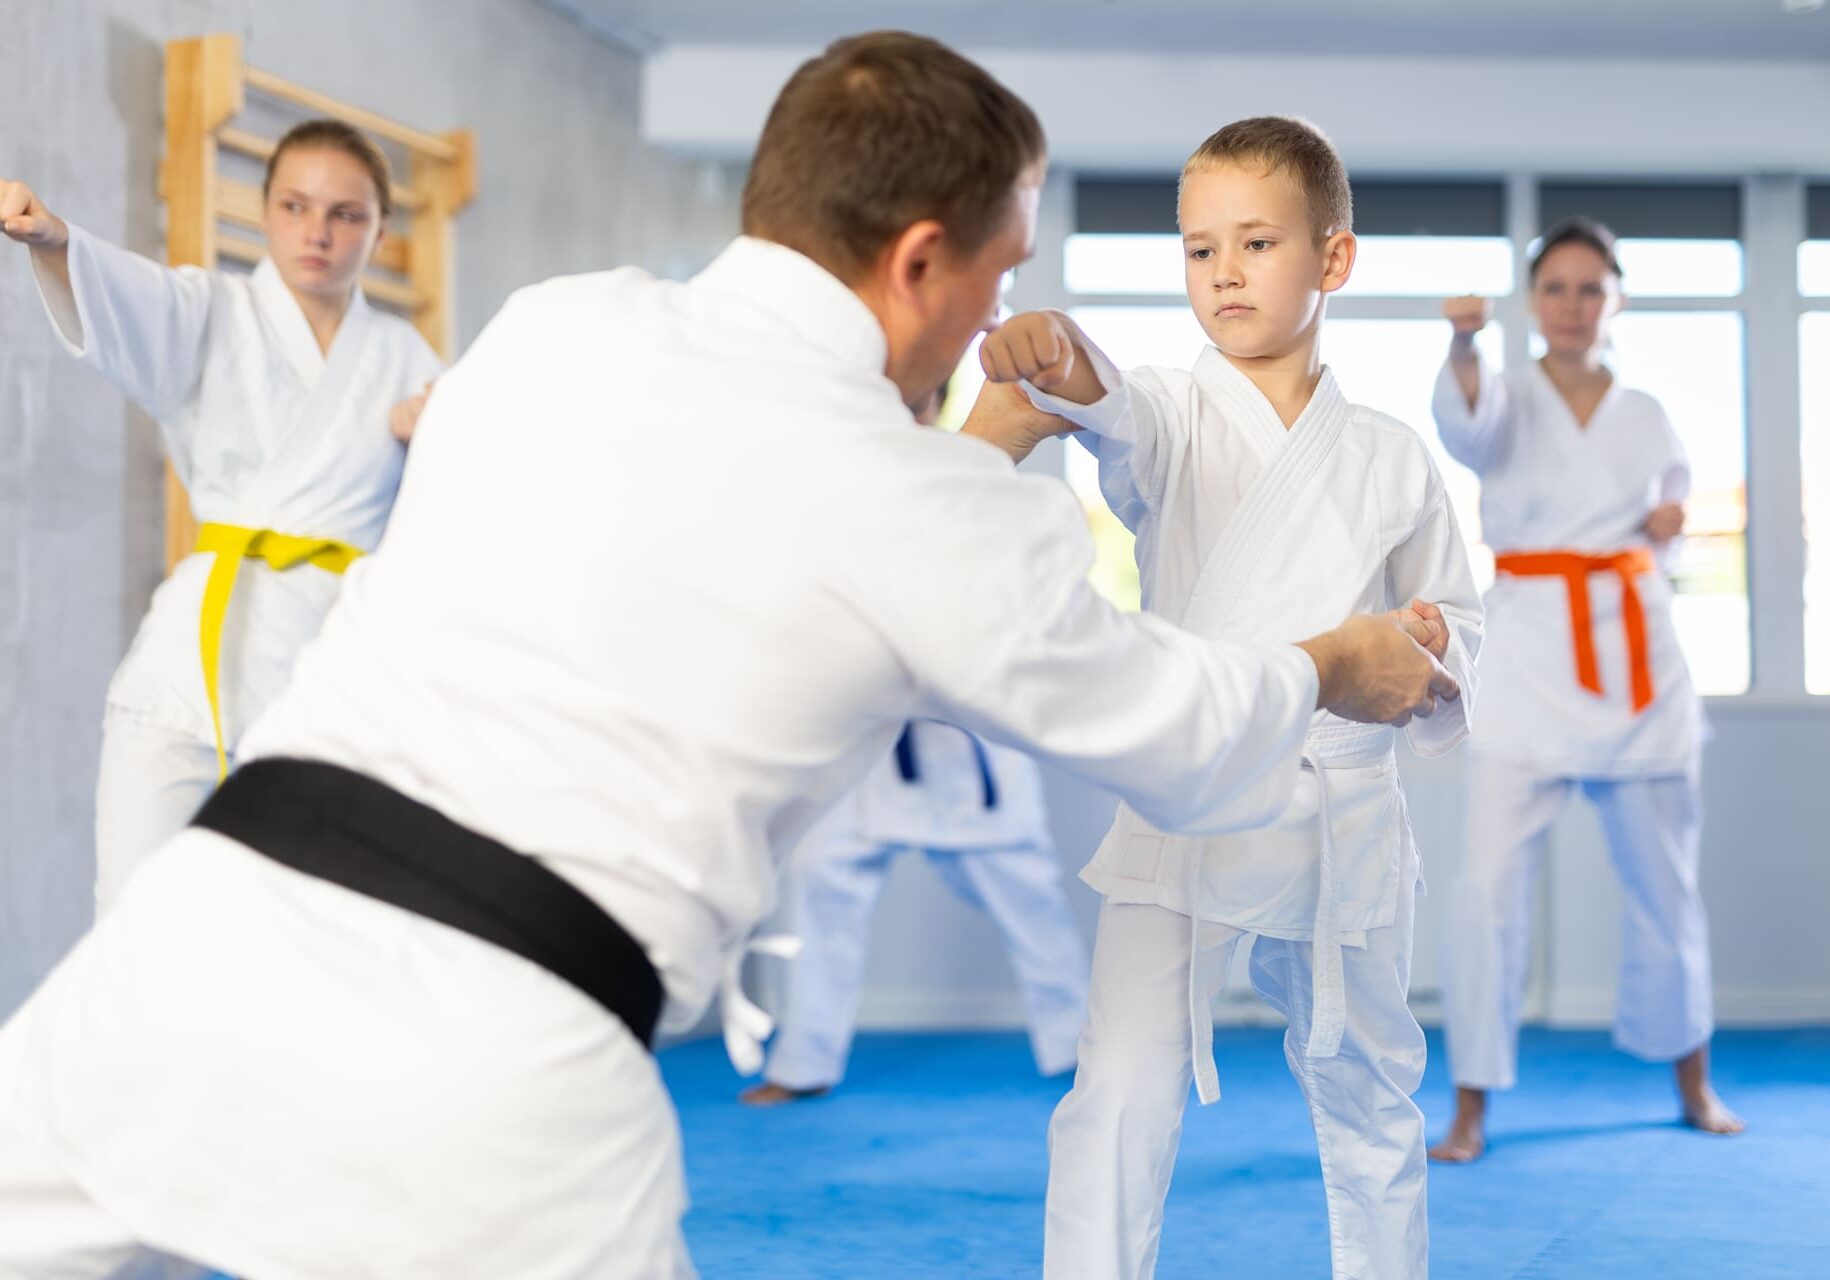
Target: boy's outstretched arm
{"points": [[1047, 350], [1133, 425]]}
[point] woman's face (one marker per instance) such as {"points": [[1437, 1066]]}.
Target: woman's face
{"points": [[322, 220], [1574, 297]]}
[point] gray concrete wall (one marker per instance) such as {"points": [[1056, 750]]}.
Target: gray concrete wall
{"points": [[565, 184]]}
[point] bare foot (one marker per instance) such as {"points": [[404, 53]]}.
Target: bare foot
{"points": [[1467, 1139], [775, 1095], [1703, 1110], [1710, 1116]]}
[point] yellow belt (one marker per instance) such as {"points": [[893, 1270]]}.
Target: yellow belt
{"points": [[231, 545]]}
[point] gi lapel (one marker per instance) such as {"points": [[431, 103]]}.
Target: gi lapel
{"points": [[316, 438], [1274, 500]]}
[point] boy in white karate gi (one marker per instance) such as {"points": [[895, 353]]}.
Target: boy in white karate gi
{"points": [[1262, 500]]}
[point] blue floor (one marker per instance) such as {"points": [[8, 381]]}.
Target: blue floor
{"points": [[929, 1162]]}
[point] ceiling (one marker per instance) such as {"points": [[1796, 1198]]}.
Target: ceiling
{"points": [[1732, 29]]}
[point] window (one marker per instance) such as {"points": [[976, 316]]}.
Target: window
{"points": [[1814, 253], [1430, 267], [1814, 423], [1386, 266], [1131, 336], [1392, 366], [1693, 363]]}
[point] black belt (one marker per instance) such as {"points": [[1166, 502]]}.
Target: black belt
{"points": [[354, 831]]}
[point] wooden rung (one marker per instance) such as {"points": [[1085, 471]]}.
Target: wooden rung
{"points": [[239, 204], [391, 292], [251, 144], [248, 144], [425, 143], [391, 255]]}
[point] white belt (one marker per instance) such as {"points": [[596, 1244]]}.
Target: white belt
{"points": [[746, 1024], [1342, 746]]}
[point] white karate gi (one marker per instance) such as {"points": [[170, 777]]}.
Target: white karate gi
{"points": [[670, 570], [998, 856], [1248, 530], [1549, 484], [266, 432]]}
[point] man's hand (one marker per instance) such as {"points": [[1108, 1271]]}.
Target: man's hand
{"points": [[1424, 623], [1373, 672], [24, 218], [404, 417], [1047, 350], [1003, 415], [1665, 522]]}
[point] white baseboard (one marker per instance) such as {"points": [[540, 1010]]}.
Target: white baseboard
{"points": [[928, 1009], [1735, 1007]]}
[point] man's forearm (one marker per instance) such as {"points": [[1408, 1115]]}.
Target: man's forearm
{"points": [[1325, 652]]}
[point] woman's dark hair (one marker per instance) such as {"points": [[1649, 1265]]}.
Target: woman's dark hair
{"points": [[1578, 230]]}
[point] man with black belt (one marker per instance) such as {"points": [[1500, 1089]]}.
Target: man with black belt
{"points": [[671, 567]]}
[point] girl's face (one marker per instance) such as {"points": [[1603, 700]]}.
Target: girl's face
{"points": [[1573, 299], [322, 220]]}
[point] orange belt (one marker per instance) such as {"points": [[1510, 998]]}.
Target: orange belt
{"points": [[1575, 568]]}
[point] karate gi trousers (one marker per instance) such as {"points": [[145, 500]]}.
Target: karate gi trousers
{"points": [[1664, 1008], [833, 890], [1113, 1139]]}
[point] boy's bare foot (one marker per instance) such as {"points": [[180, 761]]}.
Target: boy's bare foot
{"points": [[1467, 1137], [1703, 1110], [774, 1095]]}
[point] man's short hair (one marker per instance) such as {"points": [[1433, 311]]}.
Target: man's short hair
{"points": [[880, 132], [1284, 144]]}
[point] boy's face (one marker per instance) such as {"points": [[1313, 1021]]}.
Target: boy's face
{"points": [[1256, 274]]}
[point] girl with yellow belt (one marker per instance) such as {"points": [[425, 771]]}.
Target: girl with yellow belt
{"points": [[273, 392]]}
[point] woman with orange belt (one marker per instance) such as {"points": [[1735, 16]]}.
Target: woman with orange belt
{"points": [[1583, 683], [273, 391]]}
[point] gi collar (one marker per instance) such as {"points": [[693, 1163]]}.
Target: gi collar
{"points": [[802, 296]]}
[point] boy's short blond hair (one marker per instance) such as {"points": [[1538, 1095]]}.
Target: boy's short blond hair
{"points": [[1284, 144]]}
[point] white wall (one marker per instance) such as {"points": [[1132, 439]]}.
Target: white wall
{"points": [[566, 184], [1135, 111]]}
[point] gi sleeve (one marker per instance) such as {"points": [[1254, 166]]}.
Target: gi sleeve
{"points": [[1431, 564], [138, 324], [1135, 430], [1477, 436]]}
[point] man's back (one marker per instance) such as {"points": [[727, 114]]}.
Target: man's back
{"points": [[648, 653]]}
